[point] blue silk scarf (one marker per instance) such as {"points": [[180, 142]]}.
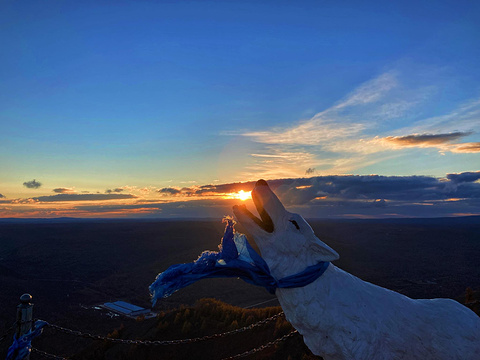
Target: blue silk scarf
{"points": [[236, 258]]}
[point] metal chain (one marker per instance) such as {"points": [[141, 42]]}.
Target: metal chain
{"points": [[163, 342], [8, 332], [173, 342], [47, 355], [263, 347], [238, 356]]}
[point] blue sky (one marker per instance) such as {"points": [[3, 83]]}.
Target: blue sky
{"points": [[146, 95]]}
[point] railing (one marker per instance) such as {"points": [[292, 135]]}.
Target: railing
{"points": [[24, 331]]}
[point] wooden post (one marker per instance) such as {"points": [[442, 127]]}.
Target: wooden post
{"points": [[24, 316]]}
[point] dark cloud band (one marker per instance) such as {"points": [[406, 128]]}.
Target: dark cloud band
{"points": [[83, 197], [470, 176], [319, 196]]}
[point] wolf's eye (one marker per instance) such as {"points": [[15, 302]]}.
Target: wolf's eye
{"points": [[295, 223]]}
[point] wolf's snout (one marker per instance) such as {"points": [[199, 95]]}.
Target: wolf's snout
{"points": [[266, 199], [265, 221], [261, 182]]}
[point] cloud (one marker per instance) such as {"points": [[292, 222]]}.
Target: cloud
{"points": [[333, 123], [358, 189], [316, 131], [340, 196], [179, 209], [464, 117], [379, 203], [314, 143], [473, 147], [64, 190], [116, 190], [310, 171], [111, 208], [346, 192], [83, 197], [370, 91], [32, 184], [441, 141], [210, 190], [278, 162], [147, 189], [334, 196], [426, 140], [470, 176], [351, 191], [223, 189], [169, 191], [367, 127]]}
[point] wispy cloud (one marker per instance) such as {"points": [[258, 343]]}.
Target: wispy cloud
{"points": [[316, 131], [317, 142], [369, 92], [366, 127], [473, 147], [465, 117], [278, 162], [336, 122]]}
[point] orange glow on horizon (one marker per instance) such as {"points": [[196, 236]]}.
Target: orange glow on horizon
{"points": [[241, 195]]}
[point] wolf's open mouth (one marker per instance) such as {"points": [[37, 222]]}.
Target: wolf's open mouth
{"points": [[265, 221]]}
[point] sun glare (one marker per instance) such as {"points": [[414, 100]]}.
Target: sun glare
{"points": [[243, 195]]}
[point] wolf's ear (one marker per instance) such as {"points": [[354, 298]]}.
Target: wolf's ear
{"points": [[325, 252]]}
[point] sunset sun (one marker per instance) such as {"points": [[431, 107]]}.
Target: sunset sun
{"points": [[243, 195]]}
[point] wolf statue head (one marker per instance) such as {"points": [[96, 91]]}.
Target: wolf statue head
{"points": [[342, 317], [286, 241]]}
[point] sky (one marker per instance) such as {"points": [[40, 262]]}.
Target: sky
{"points": [[171, 108]]}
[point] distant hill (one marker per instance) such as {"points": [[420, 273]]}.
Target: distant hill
{"points": [[472, 219]]}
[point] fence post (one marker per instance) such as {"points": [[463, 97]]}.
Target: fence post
{"points": [[24, 316]]}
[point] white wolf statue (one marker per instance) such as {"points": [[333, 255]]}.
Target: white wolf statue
{"points": [[343, 317]]}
